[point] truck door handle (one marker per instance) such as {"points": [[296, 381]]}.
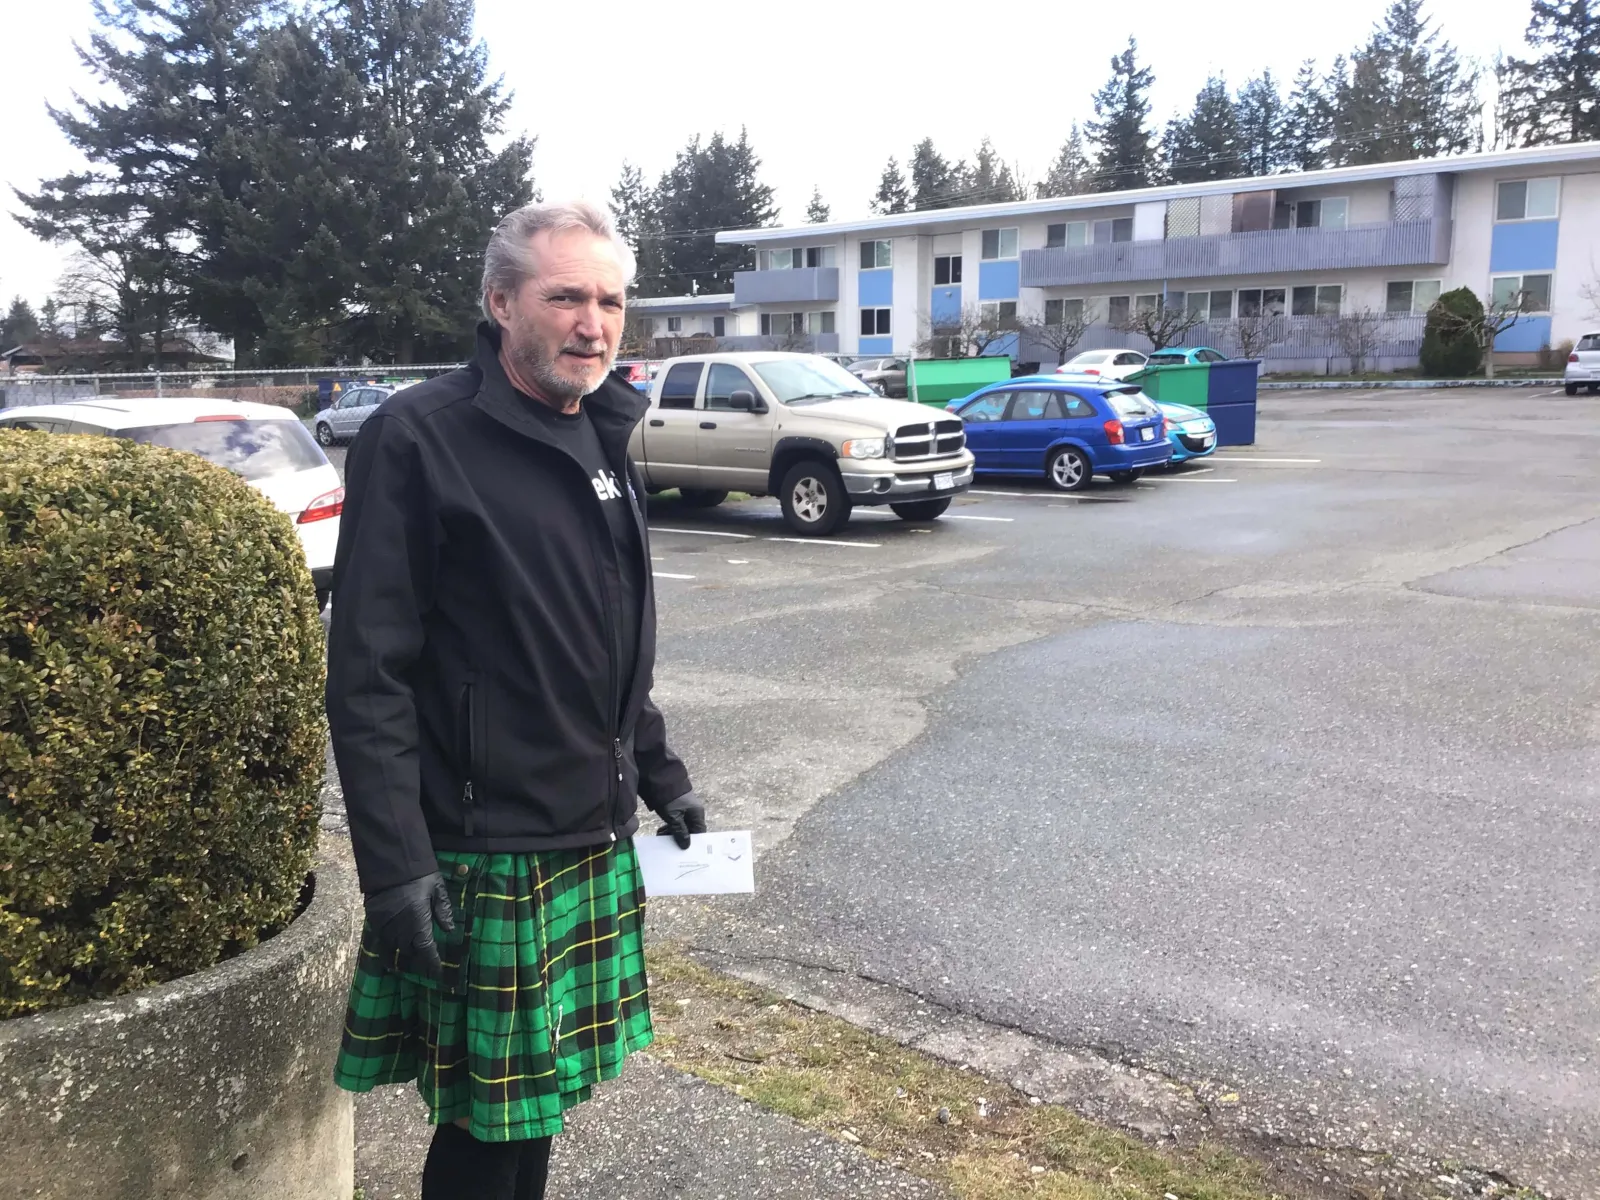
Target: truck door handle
{"points": [[708, 424], [657, 423]]}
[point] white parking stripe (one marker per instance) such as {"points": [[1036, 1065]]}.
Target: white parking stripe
{"points": [[669, 575], [826, 542], [702, 532], [966, 517], [1252, 459], [1142, 482]]}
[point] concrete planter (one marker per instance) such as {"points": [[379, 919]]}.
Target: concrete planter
{"points": [[218, 1086]]}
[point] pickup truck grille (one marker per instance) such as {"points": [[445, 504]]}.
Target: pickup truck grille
{"points": [[936, 439]]}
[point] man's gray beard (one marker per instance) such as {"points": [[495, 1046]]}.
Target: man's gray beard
{"points": [[541, 372]]}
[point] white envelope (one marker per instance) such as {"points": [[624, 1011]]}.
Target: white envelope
{"points": [[714, 864]]}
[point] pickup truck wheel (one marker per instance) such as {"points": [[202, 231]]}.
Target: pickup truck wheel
{"points": [[921, 510], [1069, 470], [813, 498], [702, 497]]}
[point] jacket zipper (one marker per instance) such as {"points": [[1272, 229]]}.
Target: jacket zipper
{"points": [[468, 806]]}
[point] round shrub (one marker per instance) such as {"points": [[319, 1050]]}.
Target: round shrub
{"points": [[1450, 348], [161, 731]]}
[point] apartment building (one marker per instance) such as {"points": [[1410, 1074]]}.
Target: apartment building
{"points": [[1289, 257]]}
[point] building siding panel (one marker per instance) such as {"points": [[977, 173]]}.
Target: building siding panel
{"points": [[875, 289], [999, 280], [876, 345], [945, 304], [1523, 246], [1526, 335], [800, 285]]}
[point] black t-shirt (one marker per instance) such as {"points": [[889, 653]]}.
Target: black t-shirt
{"points": [[625, 587]]}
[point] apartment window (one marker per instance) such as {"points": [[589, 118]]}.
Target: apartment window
{"points": [[999, 243], [1001, 311], [1318, 300], [819, 322], [782, 324], [946, 269], [674, 324], [822, 256], [1117, 229], [779, 260], [1149, 302], [1069, 233], [1059, 312], [1529, 293], [1208, 306], [1262, 302], [1331, 212], [646, 326], [874, 254], [1116, 310], [1403, 296], [719, 326], [1526, 200], [874, 322]]}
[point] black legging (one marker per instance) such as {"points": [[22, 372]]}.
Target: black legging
{"points": [[460, 1167]]}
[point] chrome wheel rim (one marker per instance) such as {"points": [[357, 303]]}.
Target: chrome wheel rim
{"points": [[810, 499], [324, 435], [1068, 470]]}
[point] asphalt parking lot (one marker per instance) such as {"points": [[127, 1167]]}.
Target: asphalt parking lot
{"points": [[1276, 775]]}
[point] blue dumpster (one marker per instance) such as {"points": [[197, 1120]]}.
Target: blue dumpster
{"points": [[1231, 400]]}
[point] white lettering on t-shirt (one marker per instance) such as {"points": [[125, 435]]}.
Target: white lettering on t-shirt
{"points": [[605, 485]]}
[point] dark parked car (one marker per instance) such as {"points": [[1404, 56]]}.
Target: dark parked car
{"points": [[1067, 430]]}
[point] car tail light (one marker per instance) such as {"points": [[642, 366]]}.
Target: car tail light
{"points": [[329, 504], [1572, 357], [1166, 424], [220, 417], [1091, 370], [1114, 432]]}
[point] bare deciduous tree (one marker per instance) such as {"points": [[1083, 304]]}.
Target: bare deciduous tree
{"points": [[1062, 335], [1163, 324], [972, 333], [1497, 317], [1252, 335], [1356, 333]]}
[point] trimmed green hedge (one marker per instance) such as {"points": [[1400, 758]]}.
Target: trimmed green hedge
{"points": [[1449, 349], [161, 729]]}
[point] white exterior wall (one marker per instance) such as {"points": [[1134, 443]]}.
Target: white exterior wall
{"points": [[910, 298], [1577, 261]]}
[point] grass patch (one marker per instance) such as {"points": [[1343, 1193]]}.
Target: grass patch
{"points": [[992, 1142]]}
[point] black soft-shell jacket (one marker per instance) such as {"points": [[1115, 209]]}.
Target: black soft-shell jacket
{"points": [[475, 692]]}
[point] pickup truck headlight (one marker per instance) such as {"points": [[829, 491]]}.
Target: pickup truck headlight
{"points": [[863, 448]]}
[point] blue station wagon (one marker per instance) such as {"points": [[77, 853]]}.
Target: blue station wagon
{"points": [[1065, 430]]}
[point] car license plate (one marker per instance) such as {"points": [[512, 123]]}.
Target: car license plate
{"points": [[1147, 434], [944, 481], [1206, 439]]}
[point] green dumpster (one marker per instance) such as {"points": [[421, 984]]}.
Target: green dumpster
{"points": [[937, 381], [1176, 383]]}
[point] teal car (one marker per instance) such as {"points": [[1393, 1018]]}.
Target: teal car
{"points": [[1192, 433], [1177, 355]]}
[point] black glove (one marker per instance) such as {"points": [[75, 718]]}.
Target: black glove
{"points": [[403, 917], [681, 817]]}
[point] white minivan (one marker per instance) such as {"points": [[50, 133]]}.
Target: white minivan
{"points": [[265, 445]]}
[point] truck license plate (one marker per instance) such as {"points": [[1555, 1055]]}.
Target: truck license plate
{"points": [[944, 481], [1147, 434]]}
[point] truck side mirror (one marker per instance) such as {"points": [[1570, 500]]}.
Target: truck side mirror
{"points": [[746, 401]]}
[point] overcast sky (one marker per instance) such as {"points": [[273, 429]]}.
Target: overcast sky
{"points": [[828, 91]]}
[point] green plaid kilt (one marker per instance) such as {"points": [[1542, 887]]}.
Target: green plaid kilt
{"points": [[542, 996]]}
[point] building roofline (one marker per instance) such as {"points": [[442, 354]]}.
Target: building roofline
{"points": [[1531, 156], [703, 300]]}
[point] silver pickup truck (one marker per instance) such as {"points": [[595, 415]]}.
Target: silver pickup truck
{"points": [[801, 428]]}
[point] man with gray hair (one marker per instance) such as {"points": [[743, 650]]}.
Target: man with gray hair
{"points": [[489, 671]]}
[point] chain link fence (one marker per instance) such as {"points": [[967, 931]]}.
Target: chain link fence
{"points": [[302, 389]]}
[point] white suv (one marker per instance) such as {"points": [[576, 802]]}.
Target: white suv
{"points": [[265, 445], [1583, 365]]}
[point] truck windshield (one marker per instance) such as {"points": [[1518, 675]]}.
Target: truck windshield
{"points": [[801, 380]]}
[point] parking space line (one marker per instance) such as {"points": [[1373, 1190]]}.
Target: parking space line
{"points": [[702, 532], [967, 517], [1142, 482], [669, 575], [827, 542], [1293, 461]]}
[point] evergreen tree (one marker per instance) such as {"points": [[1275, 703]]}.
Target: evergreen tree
{"points": [[1555, 96], [19, 325], [817, 211], [50, 327], [1407, 95], [1261, 115], [1069, 174], [990, 181], [1120, 130], [893, 195], [935, 181], [710, 186], [634, 208], [430, 186], [1307, 121], [1207, 143]]}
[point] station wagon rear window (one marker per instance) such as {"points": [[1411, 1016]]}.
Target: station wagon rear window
{"points": [[251, 449], [1131, 404]]}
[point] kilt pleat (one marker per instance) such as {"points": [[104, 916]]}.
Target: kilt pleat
{"points": [[542, 996]]}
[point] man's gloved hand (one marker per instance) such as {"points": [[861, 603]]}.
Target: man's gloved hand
{"points": [[681, 817], [403, 917]]}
